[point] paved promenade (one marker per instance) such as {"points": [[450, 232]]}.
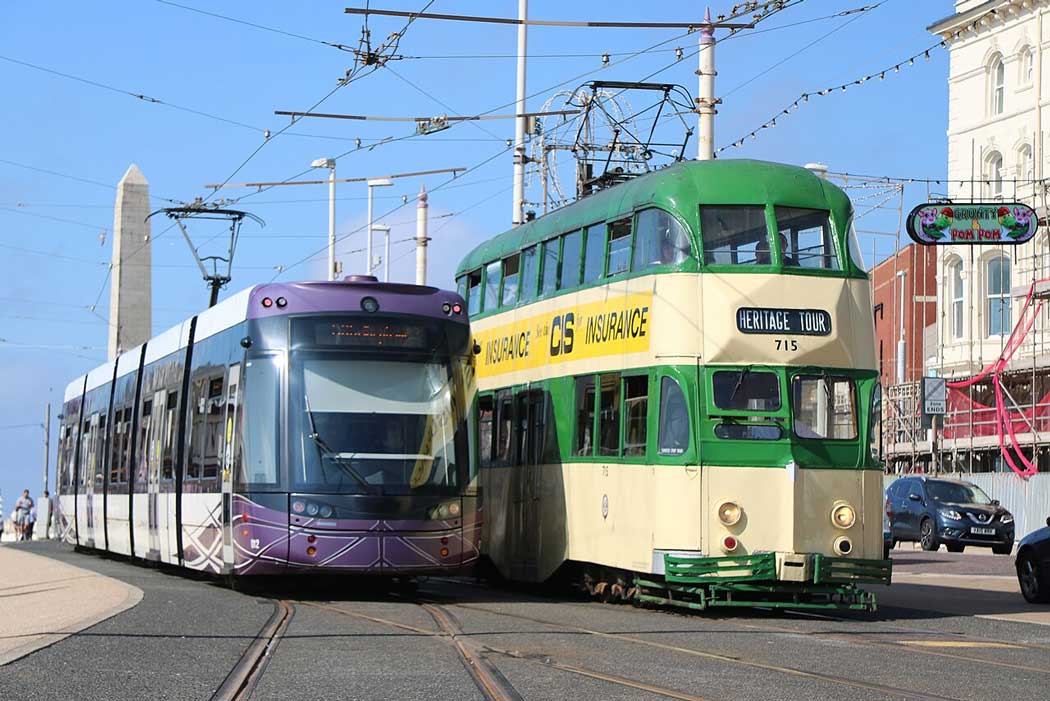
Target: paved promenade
{"points": [[43, 601]]}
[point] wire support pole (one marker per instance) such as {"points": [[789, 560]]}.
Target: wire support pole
{"points": [[519, 121], [331, 221], [706, 101]]}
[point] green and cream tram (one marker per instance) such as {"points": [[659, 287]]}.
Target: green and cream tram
{"points": [[679, 392]]}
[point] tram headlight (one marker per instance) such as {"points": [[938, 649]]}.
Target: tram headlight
{"points": [[843, 515], [445, 511], [326, 511], [729, 513], [298, 506], [312, 509], [843, 545]]}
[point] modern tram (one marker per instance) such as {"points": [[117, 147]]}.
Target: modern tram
{"points": [[292, 428], [678, 392]]}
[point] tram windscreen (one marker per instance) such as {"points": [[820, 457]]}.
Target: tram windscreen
{"points": [[363, 425], [824, 407]]}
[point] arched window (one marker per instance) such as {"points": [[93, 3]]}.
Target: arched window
{"points": [[997, 310], [957, 297], [997, 75], [993, 174], [1024, 163], [1027, 66]]}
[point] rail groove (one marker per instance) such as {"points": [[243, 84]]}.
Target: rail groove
{"points": [[243, 678]]}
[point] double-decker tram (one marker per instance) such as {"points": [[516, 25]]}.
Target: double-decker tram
{"points": [[292, 428], [678, 390]]}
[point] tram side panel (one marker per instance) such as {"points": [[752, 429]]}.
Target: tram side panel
{"points": [[211, 407], [67, 461]]}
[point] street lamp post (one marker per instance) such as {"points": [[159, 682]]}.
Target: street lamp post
{"points": [[373, 183], [329, 163], [385, 230]]}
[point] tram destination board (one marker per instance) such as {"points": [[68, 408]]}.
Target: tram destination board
{"points": [[360, 333], [766, 320]]}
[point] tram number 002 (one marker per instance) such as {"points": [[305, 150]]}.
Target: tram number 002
{"points": [[786, 344]]}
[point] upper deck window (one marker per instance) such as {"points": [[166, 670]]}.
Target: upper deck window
{"points": [[492, 280], [659, 239], [511, 268], [530, 262], [594, 256], [474, 292], [570, 260], [550, 266], [744, 390], [806, 239], [619, 246], [735, 235]]}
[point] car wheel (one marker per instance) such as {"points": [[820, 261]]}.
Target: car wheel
{"points": [[1034, 587], [928, 536], [952, 548], [1002, 549]]}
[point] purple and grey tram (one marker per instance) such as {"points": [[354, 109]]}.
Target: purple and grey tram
{"points": [[291, 428]]}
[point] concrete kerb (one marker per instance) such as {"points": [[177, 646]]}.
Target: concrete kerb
{"points": [[43, 601]]}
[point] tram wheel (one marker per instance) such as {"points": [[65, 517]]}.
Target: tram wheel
{"points": [[927, 536]]}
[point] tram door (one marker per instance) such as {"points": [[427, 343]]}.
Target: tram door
{"points": [[228, 452], [525, 525], [154, 443]]}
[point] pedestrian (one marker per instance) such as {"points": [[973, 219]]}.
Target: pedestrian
{"points": [[23, 507], [32, 522], [47, 506]]}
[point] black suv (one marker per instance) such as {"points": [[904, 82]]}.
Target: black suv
{"points": [[934, 511]]}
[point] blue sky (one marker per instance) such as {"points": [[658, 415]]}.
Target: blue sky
{"points": [[50, 251]]}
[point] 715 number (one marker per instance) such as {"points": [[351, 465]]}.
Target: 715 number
{"points": [[787, 344]]}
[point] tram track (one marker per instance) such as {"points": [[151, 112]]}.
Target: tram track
{"points": [[865, 639], [246, 673], [477, 656]]}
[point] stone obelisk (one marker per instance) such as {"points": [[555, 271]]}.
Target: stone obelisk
{"points": [[130, 279]]}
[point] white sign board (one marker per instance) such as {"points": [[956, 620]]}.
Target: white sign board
{"points": [[934, 396]]}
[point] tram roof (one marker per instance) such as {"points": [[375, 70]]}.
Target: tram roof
{"points": [[677, 188], [309, 297]]}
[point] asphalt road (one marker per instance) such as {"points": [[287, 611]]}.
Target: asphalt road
{"points": [[946, 629]]}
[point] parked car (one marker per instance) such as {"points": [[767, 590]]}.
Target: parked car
{"points": [[1033, 565], [933, 511], [887, 537]]}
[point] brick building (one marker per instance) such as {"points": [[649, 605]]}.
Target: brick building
{"points": [[913, 268]]}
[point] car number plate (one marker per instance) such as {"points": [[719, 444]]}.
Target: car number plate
{"points": [[982, 531]]}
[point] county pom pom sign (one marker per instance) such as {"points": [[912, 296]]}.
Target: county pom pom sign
{"points": [[998, 223]]}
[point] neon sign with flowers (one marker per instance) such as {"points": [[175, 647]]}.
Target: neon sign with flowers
{"points": [[976, 224]]}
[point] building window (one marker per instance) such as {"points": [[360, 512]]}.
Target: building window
{"points": [[997, 73], [1024, 163], [998, 306], [993, 176], [1027, 66], [956, 278]]}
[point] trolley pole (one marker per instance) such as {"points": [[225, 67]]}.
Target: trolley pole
{"points": [[331, 221], [705, 101], [421, 236], [519, 119]]}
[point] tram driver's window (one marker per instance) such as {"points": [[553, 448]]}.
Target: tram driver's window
{"points": [[659, 239], [824, 406], [735, 235], [674, 419], [806, 239], [474, 292], [744, 390]]}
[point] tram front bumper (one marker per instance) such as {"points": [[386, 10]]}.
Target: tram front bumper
{"points": [[777, 567]]}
